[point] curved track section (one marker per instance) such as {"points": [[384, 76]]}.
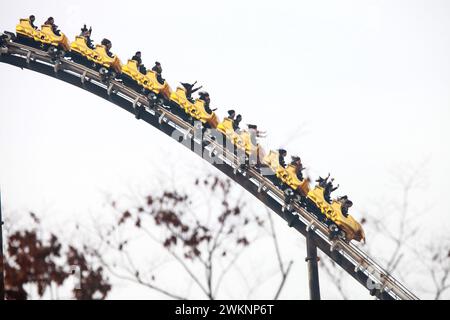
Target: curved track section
{"points": [[347, 255]]}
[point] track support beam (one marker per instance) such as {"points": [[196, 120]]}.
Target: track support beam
{"points": [[313, 270]]}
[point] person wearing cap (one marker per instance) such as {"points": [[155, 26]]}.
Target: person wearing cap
{"points": [[158, 70], [51, 22], [205, 97], [32, 18], [281, 155]]}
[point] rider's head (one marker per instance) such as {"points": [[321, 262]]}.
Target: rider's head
{"points": [[205, 96], [157, 67], [105, 42]]}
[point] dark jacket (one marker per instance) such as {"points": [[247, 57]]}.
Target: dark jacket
{"points": [[236, 125], [89, 42], [299, 172], [160, 79], [281, 160], [207, 108], [328, 190], [142, 69], [54, 27], [109, 53], [137, 59]]}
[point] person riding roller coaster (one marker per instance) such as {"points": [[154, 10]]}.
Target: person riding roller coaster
{"points": [[236, 123], [281, 155], [328, 187], [231, 114], [253, 130], [346, 204], [51, 22], [190, 90], [86, 33], [255, 133], [158, 70], [32, 18], [205, 97], [297, 162], [108, 45], [137, 57]]}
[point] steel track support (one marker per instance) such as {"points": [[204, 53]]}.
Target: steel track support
{"points": [[313, 270]]}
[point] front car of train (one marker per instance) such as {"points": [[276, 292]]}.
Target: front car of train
{"points": [[44, 38]]}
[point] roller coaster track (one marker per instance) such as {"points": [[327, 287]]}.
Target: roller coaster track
{"points": [[347, 255]]}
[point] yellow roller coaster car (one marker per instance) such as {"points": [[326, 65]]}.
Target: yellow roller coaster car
{"points": [[226, 127], [287, 175], [242, 140], [196, 110], [45, 36], [148, 81], [98, 56], [333, 212], [247, 142]]}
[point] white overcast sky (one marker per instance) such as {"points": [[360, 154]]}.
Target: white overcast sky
{"points": [[356, 88]]}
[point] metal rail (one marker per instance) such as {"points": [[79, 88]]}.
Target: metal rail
{"points": [[347, 255]]}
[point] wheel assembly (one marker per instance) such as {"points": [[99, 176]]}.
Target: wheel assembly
{"points": [[289, 192], [152, 98], [52, 51], [334, 231], [4, 38], [289, 195], [103, 73], [342, 235], [10, 36]]}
